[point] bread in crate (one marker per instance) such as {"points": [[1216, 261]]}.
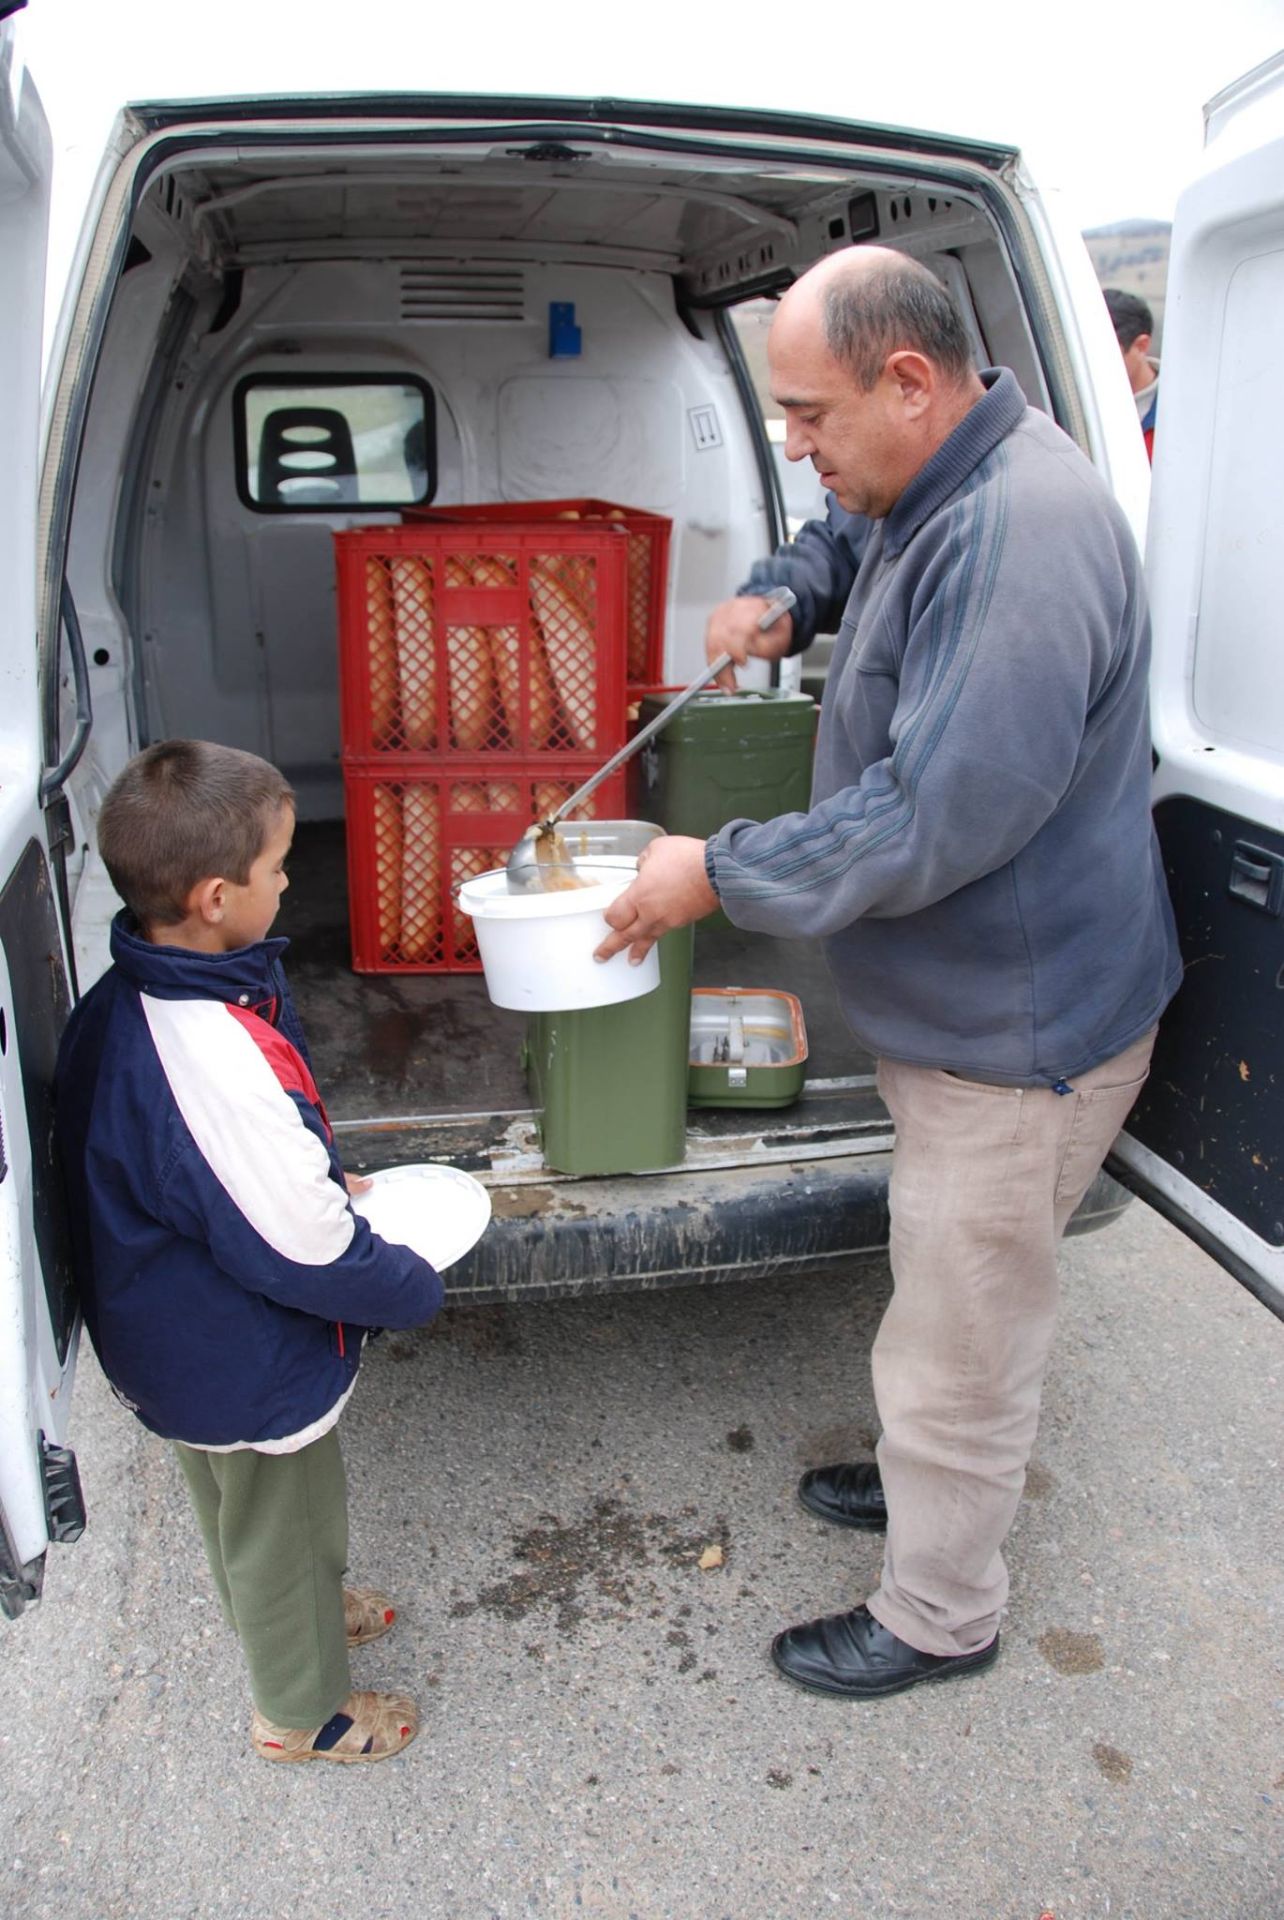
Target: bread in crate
{"points": [[415, 836], [455, 642]]}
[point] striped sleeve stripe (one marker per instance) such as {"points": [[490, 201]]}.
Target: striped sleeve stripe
{"points": [[287, 1063], [957, 620], [249, 1131]]}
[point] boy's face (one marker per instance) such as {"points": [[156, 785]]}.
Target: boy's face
{"points": [[249, 910]]}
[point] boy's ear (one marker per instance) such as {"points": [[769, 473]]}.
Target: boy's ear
{"points": [[208, 900]]}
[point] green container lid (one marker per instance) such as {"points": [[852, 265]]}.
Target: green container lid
{"points": [[728, 757], [748, 1047], [746, 718]]}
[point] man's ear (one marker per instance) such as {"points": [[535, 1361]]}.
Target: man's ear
{"points": [[1141, 345], [208, 901], [914, 378]]}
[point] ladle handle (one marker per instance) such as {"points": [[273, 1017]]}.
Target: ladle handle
{"points": [[648, 732]]}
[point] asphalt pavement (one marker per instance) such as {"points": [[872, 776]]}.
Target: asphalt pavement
{"points": [[603, 1733]]}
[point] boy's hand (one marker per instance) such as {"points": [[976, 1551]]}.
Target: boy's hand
{"points": [[358, 1182]]}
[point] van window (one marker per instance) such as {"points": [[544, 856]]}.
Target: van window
{"points": [[312, 443], [801, 492]]}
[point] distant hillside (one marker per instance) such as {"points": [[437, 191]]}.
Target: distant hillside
{"points": [[1133, 254]]}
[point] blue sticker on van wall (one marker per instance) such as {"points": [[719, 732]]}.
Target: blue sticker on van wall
{"points": [[564, 337]]}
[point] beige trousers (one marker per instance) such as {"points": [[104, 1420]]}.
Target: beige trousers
{"points": [[983, 1182]]}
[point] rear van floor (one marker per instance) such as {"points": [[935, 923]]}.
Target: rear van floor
{"points": [[387, 1046]]}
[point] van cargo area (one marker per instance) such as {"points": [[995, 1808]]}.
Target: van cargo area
{"points": [[294, 324]]}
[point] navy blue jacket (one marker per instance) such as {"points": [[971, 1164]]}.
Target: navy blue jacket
{"points": [[226, 1282]]}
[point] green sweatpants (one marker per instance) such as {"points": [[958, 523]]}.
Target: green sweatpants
{"points": [[275, 1527]]}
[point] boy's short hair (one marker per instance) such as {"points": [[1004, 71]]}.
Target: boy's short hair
{"points": [[1129, 315], [184, 811]]}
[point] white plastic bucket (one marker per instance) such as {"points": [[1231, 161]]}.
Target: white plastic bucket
{"points": [[537, 948]]}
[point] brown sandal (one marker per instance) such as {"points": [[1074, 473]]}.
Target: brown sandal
{"points": [[367, 1614], [377, 1726]]}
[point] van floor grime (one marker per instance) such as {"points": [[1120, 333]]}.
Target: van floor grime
{"points": [[390, 1044]]}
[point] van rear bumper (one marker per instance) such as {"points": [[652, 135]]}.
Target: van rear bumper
{"points": [[742, 1207]]}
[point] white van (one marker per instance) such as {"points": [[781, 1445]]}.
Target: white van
{"points": [[240, 253]]}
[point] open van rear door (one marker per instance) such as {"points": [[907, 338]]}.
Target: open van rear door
{"points": [[39, 1492], [1205, 1144]]}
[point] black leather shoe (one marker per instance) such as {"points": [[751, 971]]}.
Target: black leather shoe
{"points": [[849, 1496], [852, 1655]]}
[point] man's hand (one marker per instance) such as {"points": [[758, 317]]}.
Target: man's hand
{"points": [[733, 628], [358, 1182], [671, 890]]}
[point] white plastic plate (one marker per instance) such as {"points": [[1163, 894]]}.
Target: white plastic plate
{"points": [[438, 1212]]}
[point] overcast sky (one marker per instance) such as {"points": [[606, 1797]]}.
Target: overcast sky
{"points": [[1105, 97]]}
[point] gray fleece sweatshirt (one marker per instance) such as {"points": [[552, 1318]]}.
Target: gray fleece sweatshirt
{"points": [[979, 853]]}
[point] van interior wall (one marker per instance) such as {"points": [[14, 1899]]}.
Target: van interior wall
{"points": [[238, 607], [202, 616]]}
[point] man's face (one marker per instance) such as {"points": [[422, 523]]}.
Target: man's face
{"points": [[249, 910], [1136, 359], [856, 441]]}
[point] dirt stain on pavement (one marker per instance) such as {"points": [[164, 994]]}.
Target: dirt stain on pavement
{"points": [[486, 1331], [1115, 1765], [1039, 1482], [607, 1555], [1071, 1653]]}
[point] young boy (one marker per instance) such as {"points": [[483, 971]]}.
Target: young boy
{"points": [[226, 1283]]}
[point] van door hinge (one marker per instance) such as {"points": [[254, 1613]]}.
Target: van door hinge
{"points": [[64, 1501], [58, 824], [20, 1585]]}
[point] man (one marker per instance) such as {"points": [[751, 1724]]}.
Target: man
{"points": [[979, 858], [1134, 326]]}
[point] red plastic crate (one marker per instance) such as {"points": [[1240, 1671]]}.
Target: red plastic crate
{"points": [[473, 640], [416, 832], [647, 536]]}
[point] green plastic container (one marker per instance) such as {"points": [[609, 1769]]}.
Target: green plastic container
{"points": [[748, 1047], [611, 1082], [728, 756]]}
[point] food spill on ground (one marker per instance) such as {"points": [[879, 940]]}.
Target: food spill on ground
{"points": [[610, 1553], [1115, 1765], [1073, 1653]]}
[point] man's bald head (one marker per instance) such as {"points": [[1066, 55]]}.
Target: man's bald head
{"points": [[871, 367], [873, 301]]}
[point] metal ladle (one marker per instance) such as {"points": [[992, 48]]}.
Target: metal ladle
{"points": [[540, 862]]}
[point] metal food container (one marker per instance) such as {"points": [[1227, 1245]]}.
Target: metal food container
{"points": [[748, 1048], [614, 839]]}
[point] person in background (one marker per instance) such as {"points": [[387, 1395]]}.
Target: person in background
{"points": [[1134, 327], [980, 861]]}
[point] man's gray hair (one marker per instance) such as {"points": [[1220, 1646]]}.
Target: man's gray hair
{"points": [[885, 309]]}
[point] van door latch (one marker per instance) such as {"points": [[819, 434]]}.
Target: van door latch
{"points": [[1258, 877]]}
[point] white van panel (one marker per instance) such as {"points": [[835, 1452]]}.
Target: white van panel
{"points": [[1238, 679], [1214, 547], [237, 610]]}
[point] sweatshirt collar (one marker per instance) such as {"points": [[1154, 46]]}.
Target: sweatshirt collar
{"points": [[245, 977], [975, 437]]}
